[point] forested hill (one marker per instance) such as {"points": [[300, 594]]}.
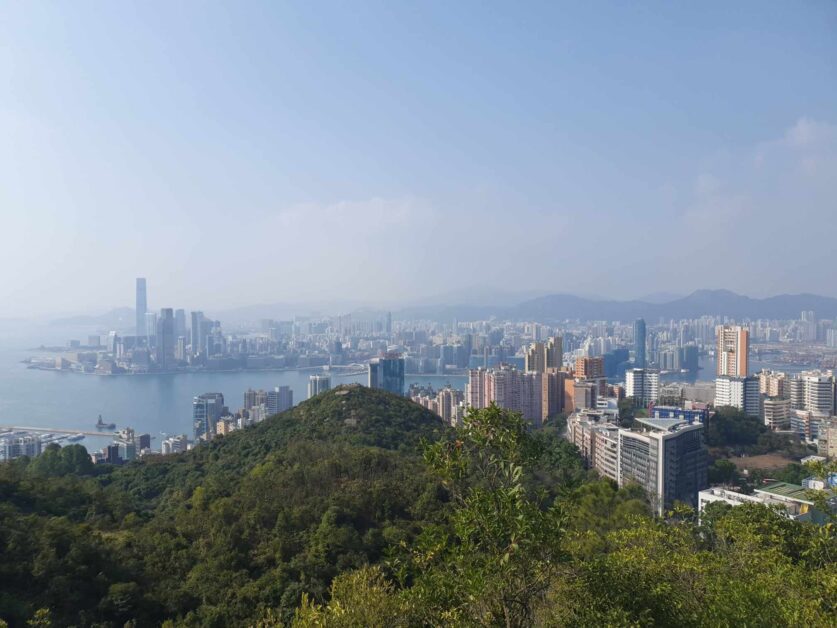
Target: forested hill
{"points": [[350, 415], [209, 537]]}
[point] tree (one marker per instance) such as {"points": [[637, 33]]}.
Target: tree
{"points": [[505, 542]]}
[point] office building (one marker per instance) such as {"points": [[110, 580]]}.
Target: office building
{"points": [[776, 413], [732, 351], [318, 384], [197, 338], [206, 410], [639, 343], [165, 348], [141, 308], [150, 328], [279, 399], [738, 392], [643, 385], [387, 373], [667, 458], [179, 323]]}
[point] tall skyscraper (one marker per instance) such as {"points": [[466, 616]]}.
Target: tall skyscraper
{"points": [[150, 328], [541, 356], [733, 350], [639, 343], [197, 340], [318, 384], [164, 350], [387, 373], [141, 308], [179, 323]]}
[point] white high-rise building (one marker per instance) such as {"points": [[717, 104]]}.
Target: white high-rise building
{"points": [[643, 385], [738, 392]]}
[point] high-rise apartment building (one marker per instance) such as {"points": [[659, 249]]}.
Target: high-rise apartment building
{"points": [[206, 410], [773, 384], [643, 385], [738, 392], [541, 356], [387, 373], [141, 308], [318, 384], [253, 398], [732, 351], [668, 459], [639, 343], [279, 399], [589, 368], [507, 388]]}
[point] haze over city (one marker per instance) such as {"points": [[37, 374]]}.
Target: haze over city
{"points": [[381, 154]]}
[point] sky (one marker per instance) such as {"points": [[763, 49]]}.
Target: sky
{"points": [[387, 152]]}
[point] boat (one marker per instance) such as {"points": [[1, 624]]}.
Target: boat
{"points": [[101, 425]]}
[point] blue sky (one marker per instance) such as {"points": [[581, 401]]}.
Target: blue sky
{"points": [[238, 153]]}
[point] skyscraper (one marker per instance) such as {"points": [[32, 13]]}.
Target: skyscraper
{"points": [[733, 350], [150, 328], [141, 308], [179, 323], [639, 343], [279, 399], [206, 410], [164, 350], [387, 373], [197, 337]]}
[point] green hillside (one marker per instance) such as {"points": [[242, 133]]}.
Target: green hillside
{"points": [[248, 521]]}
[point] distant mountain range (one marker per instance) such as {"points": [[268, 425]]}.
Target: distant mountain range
{"points": [[554, 307], [558, 307]]}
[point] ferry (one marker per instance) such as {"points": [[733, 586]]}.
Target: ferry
{"points": [[101, 425]]}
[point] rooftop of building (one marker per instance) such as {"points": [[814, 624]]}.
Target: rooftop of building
{"points": [[663, 425], [786, 490]]}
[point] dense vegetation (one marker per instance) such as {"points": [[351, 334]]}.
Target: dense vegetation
{"points": [[358, 508]]}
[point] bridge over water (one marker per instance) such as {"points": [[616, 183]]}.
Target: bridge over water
{"points": [[53, 430]]}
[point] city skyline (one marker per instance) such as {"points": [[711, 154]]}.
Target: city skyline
{"points": [[434, 137]]}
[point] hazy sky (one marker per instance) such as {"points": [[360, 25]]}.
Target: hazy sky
{"points": [[238, 153]]}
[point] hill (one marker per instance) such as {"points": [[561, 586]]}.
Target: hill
{"points": [[248, 521]]}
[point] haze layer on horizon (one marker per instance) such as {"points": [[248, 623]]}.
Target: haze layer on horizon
{"points": [[380, 152]]}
